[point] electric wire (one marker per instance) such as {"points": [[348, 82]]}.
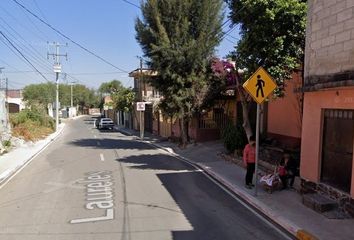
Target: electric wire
{"points": [[229, 40], [21, 24], [68, 38], [33, 59], [12, 67], [23, 56], [44, 17], [35, 26], [31, 51], [133, 4], [39, 10]]}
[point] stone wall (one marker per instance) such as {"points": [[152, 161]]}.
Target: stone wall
{"points": [[329, 42], [343, 199]]}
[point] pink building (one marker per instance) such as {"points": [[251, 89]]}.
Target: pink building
{"points": [[284, 116], [328, 117]]}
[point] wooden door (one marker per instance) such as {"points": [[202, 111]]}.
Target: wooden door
{"points": [[337, 148]]}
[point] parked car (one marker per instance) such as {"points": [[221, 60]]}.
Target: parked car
{"points": [[104, 123]]}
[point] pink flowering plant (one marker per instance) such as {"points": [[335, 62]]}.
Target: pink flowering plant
{"points": [[223, 69]]}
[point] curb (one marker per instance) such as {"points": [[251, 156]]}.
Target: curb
{"points": [[287, 226], [290, 228], [122, 131], [6, 176]]}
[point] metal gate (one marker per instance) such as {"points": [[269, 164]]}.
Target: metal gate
{"points": [[337, 148]]}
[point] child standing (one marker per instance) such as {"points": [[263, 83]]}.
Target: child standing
{"points": [[249, 157]]}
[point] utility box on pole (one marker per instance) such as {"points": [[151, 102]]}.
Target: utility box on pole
{"points": [[57, 70]]}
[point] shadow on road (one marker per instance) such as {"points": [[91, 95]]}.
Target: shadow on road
{"points": [[212, 213], [156, 162], [108, 143]]}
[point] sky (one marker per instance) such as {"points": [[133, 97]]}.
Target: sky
{"points": [[104, 27]]}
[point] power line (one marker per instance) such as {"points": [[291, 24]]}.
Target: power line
{"points": [[10, 66], [68, 38], [228, 32], [35, 26], [133, 4], [229, 40], [43, 16], [229, 35], [22, 25], [22, 55], [40, 11], [228, 20], [31, 51]]}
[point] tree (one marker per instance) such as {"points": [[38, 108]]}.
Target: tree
{"points": [[83, 96], [179, 37], [39, 94], [272, 36], [44, 93], [110, 87], [124, 99]]}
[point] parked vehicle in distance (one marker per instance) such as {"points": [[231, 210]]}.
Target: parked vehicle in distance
{"points": [[104, 123]]}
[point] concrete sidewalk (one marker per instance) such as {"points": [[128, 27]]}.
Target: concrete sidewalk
{"points": [[18, 158], [283, 207]]}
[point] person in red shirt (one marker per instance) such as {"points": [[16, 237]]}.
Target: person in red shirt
{"points": [[249, 158]]}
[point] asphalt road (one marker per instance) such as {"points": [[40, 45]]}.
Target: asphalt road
{"points": [[92, 184]]}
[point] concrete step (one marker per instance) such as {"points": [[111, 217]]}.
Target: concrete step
{"points": [[318, 202], [349, 208]]}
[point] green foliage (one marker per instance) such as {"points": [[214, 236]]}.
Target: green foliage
{"points": [[31, 124], [272, 35], [40, 95], [234, 137], [179, 37], [34, 115], [83, 96], [110, 87], [6, 143], [124, 99]]}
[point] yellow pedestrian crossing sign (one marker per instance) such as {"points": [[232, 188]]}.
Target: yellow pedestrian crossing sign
{"points": [[260, 85]]}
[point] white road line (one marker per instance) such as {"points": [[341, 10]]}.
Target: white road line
{"points": [[102, 157], [109, 216]]}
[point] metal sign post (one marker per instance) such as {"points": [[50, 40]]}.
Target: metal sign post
{"points": [[259, 86], [257, 150], [141, 127], [140, 106]]}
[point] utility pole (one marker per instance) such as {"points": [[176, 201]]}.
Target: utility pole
{"points": [[5, 120], [57, 70], [141, 99], [71, 111], [8, 104], [71, 95]]}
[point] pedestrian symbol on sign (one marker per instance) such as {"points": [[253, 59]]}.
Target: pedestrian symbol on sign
{"points": [[260, 84]]}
